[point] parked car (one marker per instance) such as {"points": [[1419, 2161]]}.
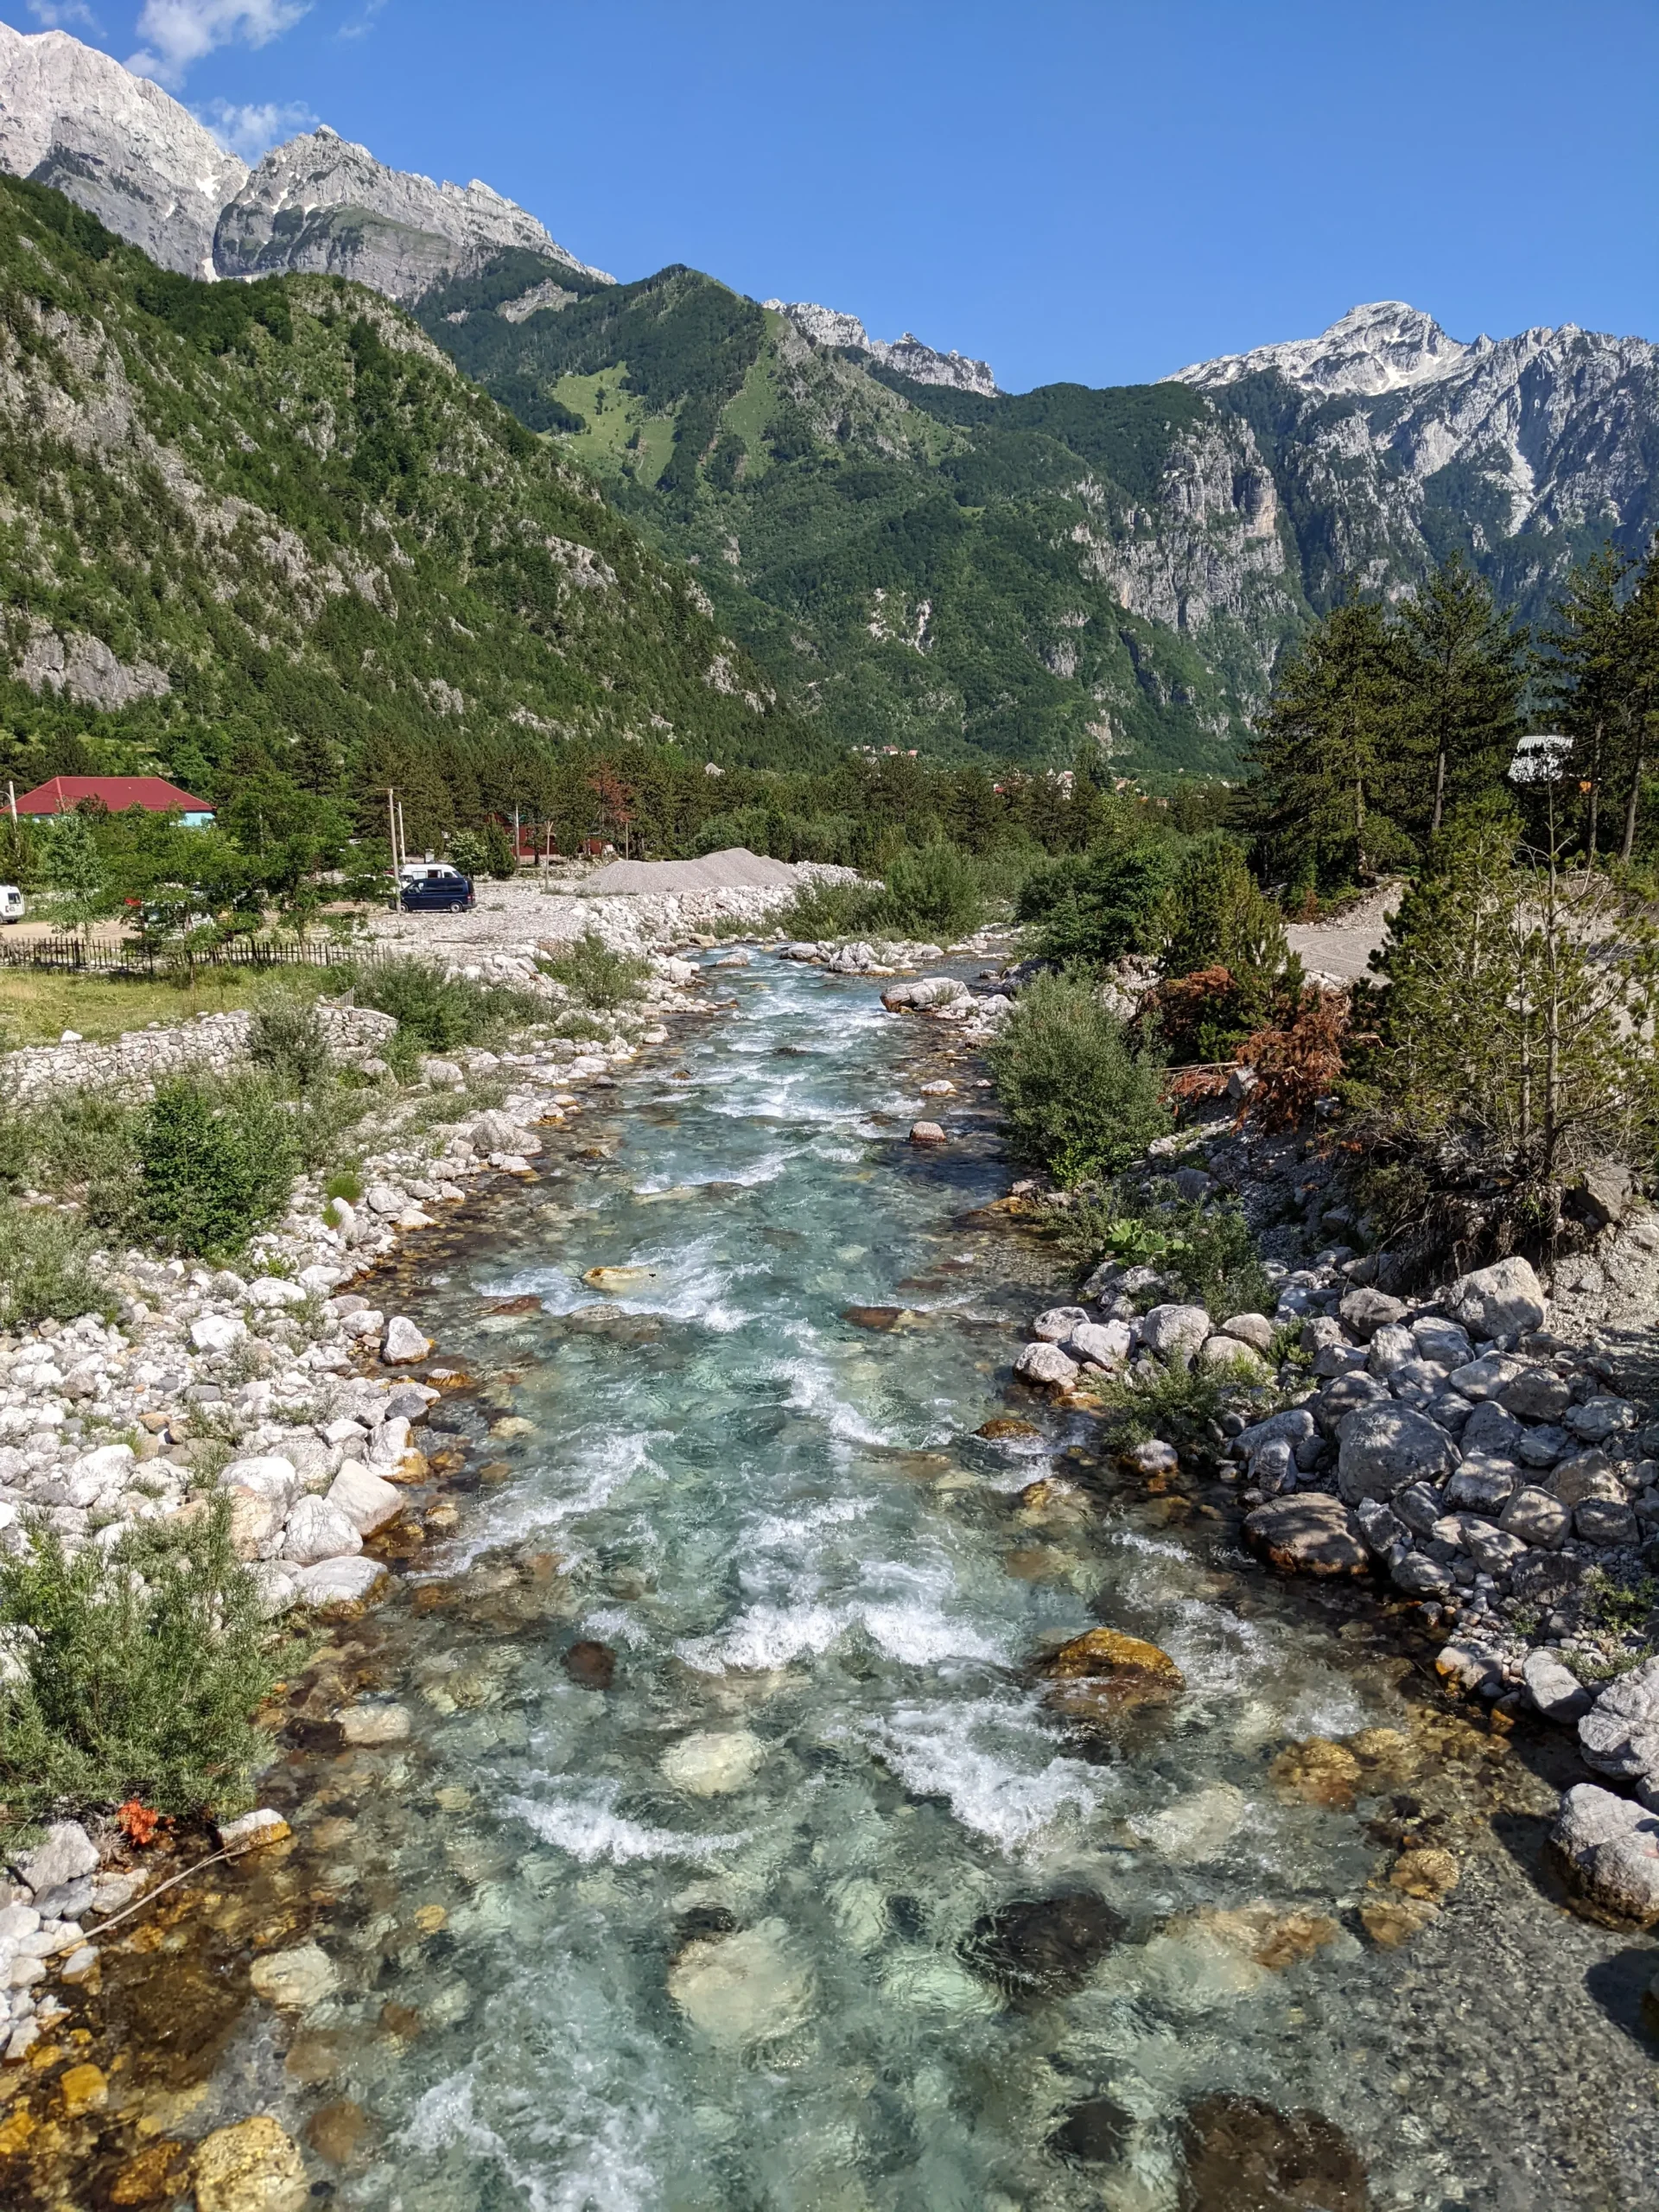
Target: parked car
{"points": [[433, 884], [11, 903]]}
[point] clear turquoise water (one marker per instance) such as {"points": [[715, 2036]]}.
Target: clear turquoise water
{"points": [[786, 1530]]}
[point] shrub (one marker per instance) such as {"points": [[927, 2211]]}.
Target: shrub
{"points": [[931, 890], [437, 1012], [79, 1144], [593, 975], [1203, 1254], [1100, 905], [134, 1673], [345, 1183], [45, 1271], [1215, 916], [214, 1168], [831, 909], [1201, 1017], [1078, 1100], [286, 1038]]}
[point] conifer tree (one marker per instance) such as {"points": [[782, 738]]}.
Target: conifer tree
{"points": [[1326, 757], [1462, 679], [1582, 676]]}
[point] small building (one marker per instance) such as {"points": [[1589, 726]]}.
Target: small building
{"points": [[117, 795]]}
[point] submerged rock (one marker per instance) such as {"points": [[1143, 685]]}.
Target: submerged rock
{"points": [[1239, 2155], [740, 1988], [295, 1979], [713, 1762], [253, 2167], [1044, 1947], [592, 1664], [1093, 2133], [1317, 1772]]}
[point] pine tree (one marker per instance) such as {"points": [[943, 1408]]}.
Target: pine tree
{"points": [[1326, 757], [1582, 674], [1463, 675]]}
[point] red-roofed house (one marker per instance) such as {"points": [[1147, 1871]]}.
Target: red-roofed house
{"points": [[63, 794]]}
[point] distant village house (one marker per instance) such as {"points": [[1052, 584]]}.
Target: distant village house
{"points": [[117, 794]]}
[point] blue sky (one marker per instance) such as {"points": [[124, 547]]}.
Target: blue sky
{"points": [[1100, 192]]}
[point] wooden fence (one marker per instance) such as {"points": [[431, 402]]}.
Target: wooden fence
{"points": [[133, 957]]}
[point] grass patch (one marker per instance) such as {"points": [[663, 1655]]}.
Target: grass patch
{"points": [[134, 1673], [37, 1006]]}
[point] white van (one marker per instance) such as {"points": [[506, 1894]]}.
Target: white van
{"points": [[11, 903]]}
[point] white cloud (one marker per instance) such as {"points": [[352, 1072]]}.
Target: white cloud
{"points": [[55, 13], [180, 32], [254, 128], [361, 25]]}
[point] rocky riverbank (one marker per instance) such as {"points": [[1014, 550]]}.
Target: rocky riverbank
{"points": [[1499, 1477]]}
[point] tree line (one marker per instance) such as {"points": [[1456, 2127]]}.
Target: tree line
{"points": [[1387, 720]]}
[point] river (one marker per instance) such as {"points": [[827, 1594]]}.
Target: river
{"points": [[734, 1856]]}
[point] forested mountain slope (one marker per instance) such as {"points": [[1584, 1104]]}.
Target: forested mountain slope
{"points": [[918, 566], [274, 513]]}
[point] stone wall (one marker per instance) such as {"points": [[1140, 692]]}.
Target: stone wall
{"points": [[136, 1061]]}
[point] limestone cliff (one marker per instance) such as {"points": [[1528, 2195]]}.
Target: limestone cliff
{"points": [[115, 144]]}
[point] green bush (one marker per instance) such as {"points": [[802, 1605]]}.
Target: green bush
{"points": [[286, 1038], [78, 1145], [594, 976], [437, 1012], [821, 911], [1215, 916], [1203, 1254], [345, 1183], [1080, 1101], [214, 1168], [45, 1271], [931, 891], [1100, 905], [133, 1673]]}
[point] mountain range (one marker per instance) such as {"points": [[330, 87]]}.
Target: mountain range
{"points": [[913, 557]]}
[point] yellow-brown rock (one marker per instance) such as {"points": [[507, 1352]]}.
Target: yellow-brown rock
{"points": [[1317, 1772], [251, 2167], [1274, 1938], [155, 2176], [1427, 1872], [83, 2088], [1104, 1673], [1393, 1921]]}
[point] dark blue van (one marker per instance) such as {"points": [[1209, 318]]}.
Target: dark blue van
{"points": [[428, 885]]}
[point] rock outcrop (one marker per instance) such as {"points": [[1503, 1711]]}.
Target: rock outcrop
{"points": [[907, 356], [120, 147], [323, 204]]}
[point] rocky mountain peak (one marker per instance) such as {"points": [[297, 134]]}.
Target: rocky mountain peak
{"points": [[324, 204], [907, 355], [1383, 345], [115, 144]]}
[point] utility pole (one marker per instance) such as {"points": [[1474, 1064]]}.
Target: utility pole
{"points": [[391, 828], [12, 797]]}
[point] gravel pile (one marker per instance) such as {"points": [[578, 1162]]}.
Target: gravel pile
{"points": [[735, 869]]}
